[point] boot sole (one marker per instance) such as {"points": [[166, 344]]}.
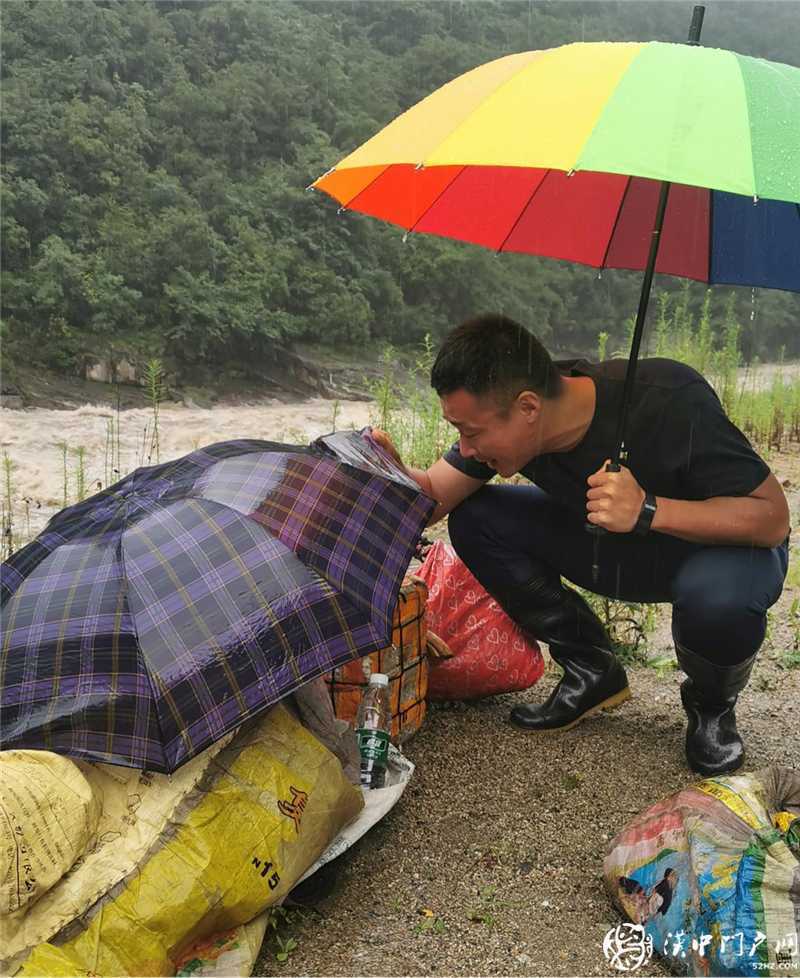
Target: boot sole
{"points": [[608, 704], [709, 774]]}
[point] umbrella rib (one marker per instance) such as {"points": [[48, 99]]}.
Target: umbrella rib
{"points": [[61, 639], [150, 679], [513, 227], [616, 221], [122, 603]]}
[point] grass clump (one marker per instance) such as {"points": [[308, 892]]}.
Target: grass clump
{"points": [[151, 434], [280, 939], [628, 624], [769, 415], [7, 506], [408, 409]]}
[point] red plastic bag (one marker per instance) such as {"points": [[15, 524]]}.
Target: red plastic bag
{"points": [[491, 654]]}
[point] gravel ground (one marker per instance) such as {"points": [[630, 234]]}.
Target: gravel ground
{"points": [[501, 834]]}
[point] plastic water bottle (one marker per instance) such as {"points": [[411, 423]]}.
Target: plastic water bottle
{"points": [[372, 729]]}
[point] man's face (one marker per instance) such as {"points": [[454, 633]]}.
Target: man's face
{"points": [[504, 442]]}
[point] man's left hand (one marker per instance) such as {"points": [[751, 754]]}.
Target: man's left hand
{"points": [[614, 499]]}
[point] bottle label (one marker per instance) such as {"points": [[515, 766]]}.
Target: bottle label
{"points": [[373, 745]]}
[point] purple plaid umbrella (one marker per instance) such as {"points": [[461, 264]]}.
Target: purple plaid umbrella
{"points": [[147, 621]]}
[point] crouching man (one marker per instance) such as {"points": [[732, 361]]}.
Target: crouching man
{"points": [[695, 518]]}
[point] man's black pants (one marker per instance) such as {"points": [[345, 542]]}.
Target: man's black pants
{"points": [[719, 595]]}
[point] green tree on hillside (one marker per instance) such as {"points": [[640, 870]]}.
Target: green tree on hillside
{"points": [[156, 154]]}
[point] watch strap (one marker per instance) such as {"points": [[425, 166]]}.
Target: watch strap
{"points": [[646, 514]]}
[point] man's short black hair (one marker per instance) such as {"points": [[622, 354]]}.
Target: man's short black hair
{"points": [[493, 355]]}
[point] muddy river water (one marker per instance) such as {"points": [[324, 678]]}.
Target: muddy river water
{"points": [[33, 440]]}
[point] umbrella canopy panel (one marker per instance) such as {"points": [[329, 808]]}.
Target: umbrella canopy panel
{"points": [[600, 219], [146, 622], [688, 114]]}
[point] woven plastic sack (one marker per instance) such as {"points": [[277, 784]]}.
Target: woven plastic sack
{"points": [[234, 953], [710, 877], [261, 812], [404, 661], [491, 654], [48, 814]]}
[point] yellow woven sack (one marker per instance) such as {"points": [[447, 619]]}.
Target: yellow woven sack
{"points": [[48, 813], [265, 809]]}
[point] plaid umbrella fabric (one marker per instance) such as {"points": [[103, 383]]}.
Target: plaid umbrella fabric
{"points": [[147, 621]]}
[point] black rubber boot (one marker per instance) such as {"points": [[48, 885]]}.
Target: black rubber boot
{"points": [[713, 744], [593, 679]]}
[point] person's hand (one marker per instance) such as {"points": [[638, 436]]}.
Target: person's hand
{"points": [[614, 499], [380, 437]]}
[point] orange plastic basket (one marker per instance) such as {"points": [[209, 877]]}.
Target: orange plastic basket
{"points": [[404, 662]]}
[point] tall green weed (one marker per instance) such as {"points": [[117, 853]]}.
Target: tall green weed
{"points": [[408, 409], [769, 415]]}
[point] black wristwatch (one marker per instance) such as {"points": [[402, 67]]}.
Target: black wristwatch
{"points": [[646, 514]]}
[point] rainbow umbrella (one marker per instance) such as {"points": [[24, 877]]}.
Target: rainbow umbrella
{"points": [[664, 157]]}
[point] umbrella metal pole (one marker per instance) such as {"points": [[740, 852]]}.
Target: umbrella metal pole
{"points": [[644, 297], [619, 453], [641, 315], [697, 24], [630, 375]]}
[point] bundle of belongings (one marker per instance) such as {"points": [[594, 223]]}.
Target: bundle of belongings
{"points": [[114, 871], [709, 878], [451, 641], [489, 653], [405, 662], [179, 621]]}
